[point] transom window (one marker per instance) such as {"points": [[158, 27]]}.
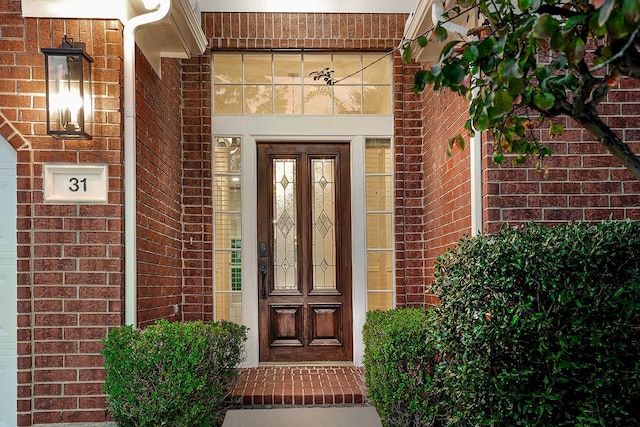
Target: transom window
{"points": [[282, 83]]}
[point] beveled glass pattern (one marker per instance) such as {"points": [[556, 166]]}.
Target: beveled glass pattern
{"points": [[283, 83], [324, 224], [285, 231]]}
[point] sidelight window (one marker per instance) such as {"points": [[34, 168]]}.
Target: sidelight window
{"points": [[227, 223]]}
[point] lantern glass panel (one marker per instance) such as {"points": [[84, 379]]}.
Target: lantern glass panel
{"points": [[69, 97]]}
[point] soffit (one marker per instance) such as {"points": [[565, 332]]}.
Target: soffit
{"points": [[179, 35], [421, 21]]}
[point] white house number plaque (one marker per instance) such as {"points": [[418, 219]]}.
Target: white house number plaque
{"points": [[75, 183]]}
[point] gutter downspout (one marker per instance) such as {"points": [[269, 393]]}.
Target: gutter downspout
{"points": [[436, 15], [476, 175], [476, 184], [130, 142]]}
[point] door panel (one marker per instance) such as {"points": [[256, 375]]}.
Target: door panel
{"points": [[304, 251]]}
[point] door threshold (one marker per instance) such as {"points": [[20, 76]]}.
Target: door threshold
{"points": [[294, 364]]}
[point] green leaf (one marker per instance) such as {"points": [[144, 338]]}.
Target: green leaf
{"points": [[615, 25], [498, 158], [502, 102], [598, 30], [471, 53], [544, 100], [545, 26], [524, 4], [422, 41], [456, 140], [441, 33], [407, 54], [447, 48], [575, 49], [605, 12], [420, 81], [555, 130], [568, 82], [481, 122], [453, 73], [631, 11], [558, 40], [487, 65], [575, 20]]}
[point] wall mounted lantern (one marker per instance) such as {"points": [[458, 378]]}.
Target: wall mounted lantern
{"points": [[69, 97]]}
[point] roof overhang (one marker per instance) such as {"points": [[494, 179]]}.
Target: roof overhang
{"points": [[180, 35], [424, 19]]}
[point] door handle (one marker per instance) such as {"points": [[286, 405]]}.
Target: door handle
{"points": [[262, 267]]}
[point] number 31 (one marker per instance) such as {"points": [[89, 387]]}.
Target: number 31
{"points": [[78, 184]]}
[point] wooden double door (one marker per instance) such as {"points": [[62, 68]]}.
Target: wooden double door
{"points": [[304, 252]]}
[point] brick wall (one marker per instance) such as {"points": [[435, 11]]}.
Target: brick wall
{"points": [[409, 189], [446, 179], [585, 182], [348, 32], [197, 189], [69, 256], [159, 191]]}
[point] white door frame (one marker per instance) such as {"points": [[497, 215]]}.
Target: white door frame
{"points": [[352, 129], [8, 285]]}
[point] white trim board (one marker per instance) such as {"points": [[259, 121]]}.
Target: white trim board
{"points": [[309, 6], [352, 129]]}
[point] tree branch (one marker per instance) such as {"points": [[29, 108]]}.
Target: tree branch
{"points": [[610, 140], [556, 10], [626, 56]]}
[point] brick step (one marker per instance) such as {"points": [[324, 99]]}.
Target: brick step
{"points": [[300, 386]]}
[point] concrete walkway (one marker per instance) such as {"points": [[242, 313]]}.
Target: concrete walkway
{"points": [[318, 416]]}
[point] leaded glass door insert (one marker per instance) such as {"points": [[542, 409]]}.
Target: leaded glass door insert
{"points": [[304, 241]]}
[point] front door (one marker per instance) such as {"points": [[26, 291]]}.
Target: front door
{"points": [[304, 252]]}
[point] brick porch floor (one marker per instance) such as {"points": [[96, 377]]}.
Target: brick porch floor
{"points": [[300, 385]]}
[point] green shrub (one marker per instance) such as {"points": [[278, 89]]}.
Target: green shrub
{"points": [[541, 326], [399, 363], [171, 374]]}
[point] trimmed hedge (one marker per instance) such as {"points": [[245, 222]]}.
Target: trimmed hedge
{"points": [[537, 326], [400, 359], [171, 374]]}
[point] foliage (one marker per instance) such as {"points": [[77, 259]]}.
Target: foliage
{"points": [[537, 326], [400, 359], [541, 326], [171, 374], [536, 60]]}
